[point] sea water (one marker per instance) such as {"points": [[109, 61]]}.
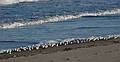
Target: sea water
{"points": [[27, 22]]}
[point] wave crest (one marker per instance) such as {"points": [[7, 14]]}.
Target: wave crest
{"points": [[3, 2], [59, 18]]}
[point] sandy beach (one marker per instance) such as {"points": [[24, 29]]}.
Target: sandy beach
{"points": [[100, 51], [59, 30]]}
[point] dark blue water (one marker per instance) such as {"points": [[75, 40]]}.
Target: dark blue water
{"points": [[71, 28]]}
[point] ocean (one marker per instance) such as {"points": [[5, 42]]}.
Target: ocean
{"points": [[28, 22]]}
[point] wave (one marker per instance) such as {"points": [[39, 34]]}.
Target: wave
{"points": [[96, 27], [4, 2], [27, 42], [58, 18], [91, 27]]}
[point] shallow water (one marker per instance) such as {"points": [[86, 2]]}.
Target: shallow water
{"points": [[84, 26]]}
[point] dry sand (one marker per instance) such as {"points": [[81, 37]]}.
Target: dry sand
{"points": [[109, 53]]}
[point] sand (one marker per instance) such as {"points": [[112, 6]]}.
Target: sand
{"points": [[109, 52]]}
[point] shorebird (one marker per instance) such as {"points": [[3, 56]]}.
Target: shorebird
{"points": [[37, 47], [46, 45], [65, 43], [57, 44]]}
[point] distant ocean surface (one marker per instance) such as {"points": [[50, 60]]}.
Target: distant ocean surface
{"points": [[27, 22]]}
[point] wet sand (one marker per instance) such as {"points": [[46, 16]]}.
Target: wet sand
{"points": [[98, 51]]}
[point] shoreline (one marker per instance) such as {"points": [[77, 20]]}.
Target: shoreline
{"points": [[109, 52], [57, 47]]}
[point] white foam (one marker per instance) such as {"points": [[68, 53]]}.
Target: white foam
{"points": [[4, 2], [59, 18]]}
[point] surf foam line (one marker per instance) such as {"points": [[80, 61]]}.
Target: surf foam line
{"points": [[56, 43], [59, 18], [6, 2]]}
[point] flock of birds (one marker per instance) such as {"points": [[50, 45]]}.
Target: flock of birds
{"points": [[55, 44]]}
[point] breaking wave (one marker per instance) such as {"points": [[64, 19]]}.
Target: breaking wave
{"points": [[58, 18], [4, 2]]}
